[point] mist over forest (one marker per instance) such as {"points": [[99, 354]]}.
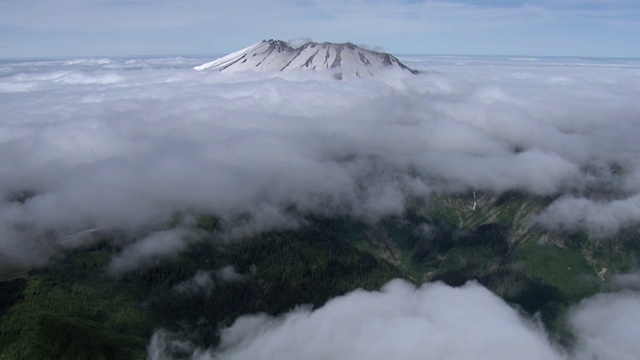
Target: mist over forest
{"points": [[130, 154]]}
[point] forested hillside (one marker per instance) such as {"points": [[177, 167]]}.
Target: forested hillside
{"points": [[76, 308]]}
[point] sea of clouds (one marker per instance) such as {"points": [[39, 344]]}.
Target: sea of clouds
{"points": [[123, 145], [127, 143]]}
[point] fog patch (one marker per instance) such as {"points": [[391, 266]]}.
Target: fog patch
{"points": [[200, 282], [165, 346], [627, 281], [162, 244], [297, 42], [229, 274]]}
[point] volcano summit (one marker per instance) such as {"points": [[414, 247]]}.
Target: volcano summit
{"points": [[278, 55]]}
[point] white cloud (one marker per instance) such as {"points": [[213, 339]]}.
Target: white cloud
{"points": [[318, 17], [606, 326], [126, 144], [433, 321], [600, 218], [399, 322]]}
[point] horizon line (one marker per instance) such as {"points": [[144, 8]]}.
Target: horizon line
{"points": [[198, 55]]}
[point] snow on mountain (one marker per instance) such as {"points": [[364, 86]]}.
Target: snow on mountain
{"points": [[277, 55]]}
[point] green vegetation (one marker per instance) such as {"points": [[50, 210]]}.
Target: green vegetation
{"points": [[563, 268], [72, 310], [75, 309], [11, 293], [493, 240]]}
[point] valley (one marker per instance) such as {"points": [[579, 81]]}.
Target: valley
{"points": [[454, 239]]}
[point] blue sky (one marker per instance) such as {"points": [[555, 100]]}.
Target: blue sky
{"points": [[45, 28]]}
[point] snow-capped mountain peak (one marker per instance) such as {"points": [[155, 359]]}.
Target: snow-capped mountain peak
{"points": [[278, 55]]}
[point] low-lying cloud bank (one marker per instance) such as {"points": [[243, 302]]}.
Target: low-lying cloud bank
{"points": [[600, 218], [433, 321], [127, 144], [400, 322], [606, 326]]}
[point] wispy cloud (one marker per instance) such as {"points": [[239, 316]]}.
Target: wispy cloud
{"points": [[403, 24]]}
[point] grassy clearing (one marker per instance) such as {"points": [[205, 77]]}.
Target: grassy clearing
{"points": [[564, 268]]}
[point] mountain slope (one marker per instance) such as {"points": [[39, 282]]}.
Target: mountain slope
{"points": [[73, 308], [277, 55]]}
